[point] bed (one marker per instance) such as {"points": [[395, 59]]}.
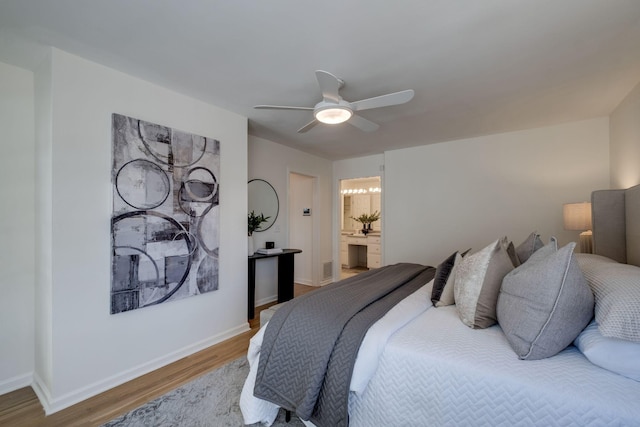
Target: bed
{"points": [[563, 348]]}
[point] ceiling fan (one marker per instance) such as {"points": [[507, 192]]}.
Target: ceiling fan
{"points": [[333, 109]]}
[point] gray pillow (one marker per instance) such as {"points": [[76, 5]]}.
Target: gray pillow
{"points": [[442, 292], [545, 303], [477, 283], [617, 292], [528, 247], [545, 251], [443, 271]]}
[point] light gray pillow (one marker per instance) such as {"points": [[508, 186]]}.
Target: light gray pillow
{"points": [[531, 244], [477, 283], [545, 251], [617, 292], [545, 303]]}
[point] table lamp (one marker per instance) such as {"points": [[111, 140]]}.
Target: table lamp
{"points": [[577, 216]]}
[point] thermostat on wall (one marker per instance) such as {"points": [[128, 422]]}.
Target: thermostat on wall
{"points": [[306, 212]]}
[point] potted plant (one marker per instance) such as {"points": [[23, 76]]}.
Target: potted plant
{"points": [[366, 220], [254, 223]]}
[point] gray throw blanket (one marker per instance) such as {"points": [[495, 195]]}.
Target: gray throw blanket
{"points": [[310, 344]]}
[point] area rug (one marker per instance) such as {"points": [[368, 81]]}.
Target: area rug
{"points": [[208, 401]]}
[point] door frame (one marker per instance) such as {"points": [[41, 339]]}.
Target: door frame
{"points": [[315, 223], [338, 212]]}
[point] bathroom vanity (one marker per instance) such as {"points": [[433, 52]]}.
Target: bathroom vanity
{"points": [[358, 250]]}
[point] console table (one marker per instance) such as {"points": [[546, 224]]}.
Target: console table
{"points": [[285, 276]]}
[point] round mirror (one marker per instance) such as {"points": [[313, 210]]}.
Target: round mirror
{"points": [[263, 199]]}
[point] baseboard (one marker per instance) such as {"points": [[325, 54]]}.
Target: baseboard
{"points": [[304, 282], [15, 383], [266, 300], [56, 404], [326, 281], [42, 391]]}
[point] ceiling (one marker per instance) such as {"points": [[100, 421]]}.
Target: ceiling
{"points": [[478, 67]]}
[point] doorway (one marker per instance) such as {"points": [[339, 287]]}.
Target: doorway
{"points": [[360, 225], [301, 225]]}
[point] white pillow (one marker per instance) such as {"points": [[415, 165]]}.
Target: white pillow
{"points": [[617, 290], [613, 354]]}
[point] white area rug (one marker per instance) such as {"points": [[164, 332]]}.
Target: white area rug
{"points": [[208, 401]]}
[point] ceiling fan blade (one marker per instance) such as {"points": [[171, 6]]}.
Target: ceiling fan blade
{"points": [[329, 86], [383, 100], [308, 126], [363, 124], [281, 107]]}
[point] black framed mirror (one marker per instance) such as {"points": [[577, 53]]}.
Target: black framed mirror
{"points": [[263, 199]]}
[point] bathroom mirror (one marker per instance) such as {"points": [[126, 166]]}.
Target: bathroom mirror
{"points": [[263, 199]]}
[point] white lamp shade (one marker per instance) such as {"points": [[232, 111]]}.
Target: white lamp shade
{"points": [[333, 115], [577, 216]]}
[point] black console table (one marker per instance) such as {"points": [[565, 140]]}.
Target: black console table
{"points": [[285, 276]]}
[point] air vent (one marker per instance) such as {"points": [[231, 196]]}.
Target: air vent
{"points": [[327, 270]]}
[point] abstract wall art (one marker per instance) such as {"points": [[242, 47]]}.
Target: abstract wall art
{"points": [[166, 214]]}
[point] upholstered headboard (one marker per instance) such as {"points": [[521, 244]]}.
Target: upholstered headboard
{"points": [[616, 224]]}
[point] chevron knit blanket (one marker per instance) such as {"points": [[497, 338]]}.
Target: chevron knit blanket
{"points": [[311, 343]]}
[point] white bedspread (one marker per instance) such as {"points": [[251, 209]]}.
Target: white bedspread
{"points": [[257, 410], [436, 371], [420, 365]]}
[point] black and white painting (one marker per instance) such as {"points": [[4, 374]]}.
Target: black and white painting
{"points": [[165, 223]]}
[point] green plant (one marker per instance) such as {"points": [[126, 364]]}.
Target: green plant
{"points": [[255, 221], [367, 218]]}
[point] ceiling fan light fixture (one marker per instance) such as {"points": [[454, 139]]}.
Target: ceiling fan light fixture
{"points": [[333, 109], [333, 115]]}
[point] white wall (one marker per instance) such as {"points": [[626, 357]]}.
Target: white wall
{"points": [[625, 141], [93, 350], [17, 189], [273, 162], [451, 196]]}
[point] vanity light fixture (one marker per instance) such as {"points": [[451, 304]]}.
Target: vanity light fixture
{"points": [[361, 190]]}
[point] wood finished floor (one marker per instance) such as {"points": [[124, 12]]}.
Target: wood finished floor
{"points": [[349, 272], [22, 408]]}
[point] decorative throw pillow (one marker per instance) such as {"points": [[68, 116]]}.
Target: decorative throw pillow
{"points": [[528, 247], [545, 251], [443, 271], [442, 293], [613, 354], [617, 292], [513, 256], [545, 303], [477, 283]]}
